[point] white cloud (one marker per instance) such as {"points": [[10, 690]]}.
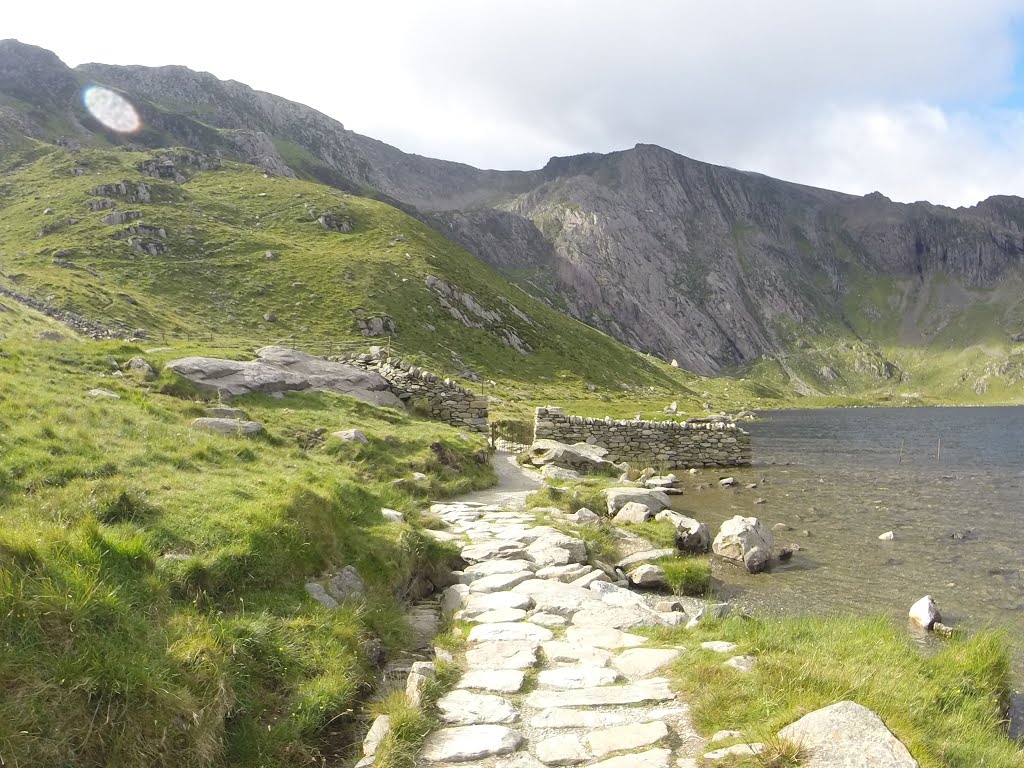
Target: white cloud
{"points": [[898, 97]]}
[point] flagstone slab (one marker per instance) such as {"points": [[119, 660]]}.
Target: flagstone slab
{"points": [[624, 737], [570, 677], [506, 631], [460, 744], [654, 689], [643, 662], [514, 654], [462, 707]]}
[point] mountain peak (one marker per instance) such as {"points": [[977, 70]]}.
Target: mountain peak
{"points": [[35, 75]]}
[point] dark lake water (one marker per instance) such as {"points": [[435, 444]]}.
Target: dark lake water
{"points": [[840, 475]]}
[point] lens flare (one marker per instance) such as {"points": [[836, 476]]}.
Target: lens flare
{"points": [[112, 109]]}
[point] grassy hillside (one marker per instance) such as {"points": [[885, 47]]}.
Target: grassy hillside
{"points": [[215, 278], [215, 284], [152, 576]]}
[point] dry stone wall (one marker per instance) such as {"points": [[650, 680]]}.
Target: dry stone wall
{"points": [[671, 444], [444, 399]]}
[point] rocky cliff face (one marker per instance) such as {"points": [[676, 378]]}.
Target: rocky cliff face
{"points": [[703, 264]]}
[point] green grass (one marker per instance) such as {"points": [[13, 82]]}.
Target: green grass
{"points": [[410, 725], [689, 576], [151, 576], [946, 706]]}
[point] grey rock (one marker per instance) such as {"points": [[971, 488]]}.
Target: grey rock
{"points": [[847, 735], [745, 540], [351, 436], [499, 582], [345, 584], [576, 653], [392, 516], [479, 603], [636, 663], [645, 556], [106, 394], [619, 497], [692, 536], [453, 598], [580, 457], [493, 567], [501, 616], [280, 369], [565, 749], [647, 576], [318, 593], [505, 632], [626, 737], [462, 707], [603, 637], [569, 677], [652, 689], [502, 654], [380, 728], [633, 512], [719, 646], [557, 717], [461, 744], [736, 750], [140, 366], [652, 758], [584, 515], [741, 663], [227, 426], [555, 597], [496, 680], [549, 620], [555, 472]]}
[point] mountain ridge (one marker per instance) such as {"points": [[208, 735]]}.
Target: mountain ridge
{"points": [[711, 266]]}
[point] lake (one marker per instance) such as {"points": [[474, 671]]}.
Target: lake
{"points": [[840, 477]]}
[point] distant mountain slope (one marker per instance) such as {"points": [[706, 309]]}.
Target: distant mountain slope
{"points": [[211, 248], [710, 266]]}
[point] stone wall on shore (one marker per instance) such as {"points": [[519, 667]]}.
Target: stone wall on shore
{"points": [[443, 399], [669, 444]]}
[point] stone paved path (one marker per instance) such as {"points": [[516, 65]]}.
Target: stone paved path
{"points": [[553, 674]]}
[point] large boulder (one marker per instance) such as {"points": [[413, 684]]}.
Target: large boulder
{"points": [[746, 541], [619, 497], [582, 457], [692, 536], [280, 369], [847, 735]]}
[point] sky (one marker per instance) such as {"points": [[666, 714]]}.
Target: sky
{"points": [[917, 99]]}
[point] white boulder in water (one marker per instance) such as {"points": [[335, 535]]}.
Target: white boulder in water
{"points": [[925, 613]]}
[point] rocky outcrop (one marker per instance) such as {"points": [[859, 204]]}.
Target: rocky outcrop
{"points": [[280, 369], [465, 308]]}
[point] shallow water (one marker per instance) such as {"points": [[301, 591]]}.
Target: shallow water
{"points": [[839, 475]]}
